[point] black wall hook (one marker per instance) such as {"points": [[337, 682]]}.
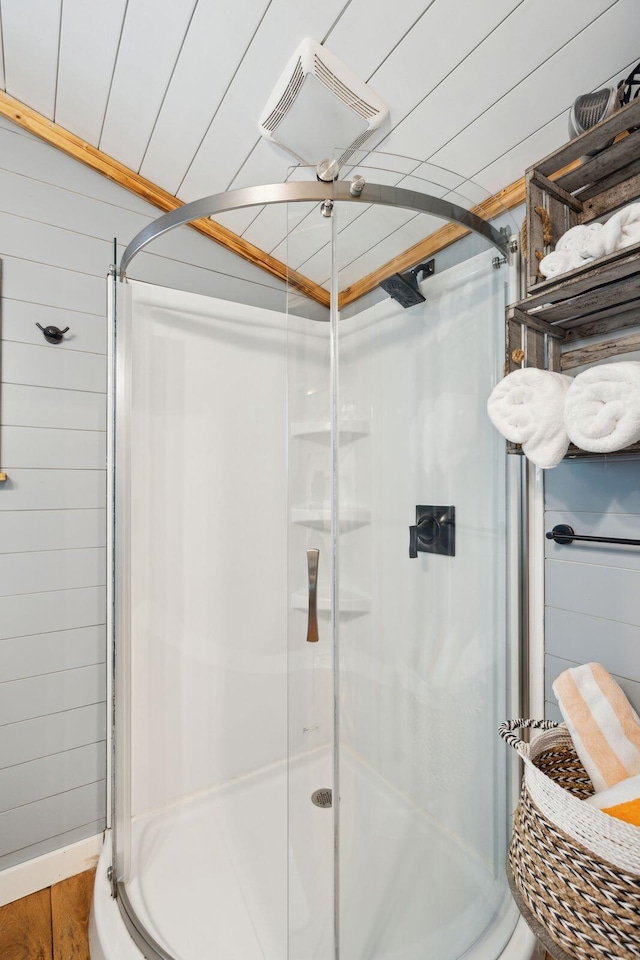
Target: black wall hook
{"points": [[52, 334]]}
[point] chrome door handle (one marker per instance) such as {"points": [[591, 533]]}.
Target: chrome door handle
{"points": [[313, 557]]}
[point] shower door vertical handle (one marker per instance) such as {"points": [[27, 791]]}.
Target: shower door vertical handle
{"points": [[313, 557]]}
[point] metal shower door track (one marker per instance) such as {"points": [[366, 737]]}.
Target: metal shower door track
{"points": [[372, 193]]}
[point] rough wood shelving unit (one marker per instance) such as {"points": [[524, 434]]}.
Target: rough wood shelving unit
{"points": [[599, 298]]}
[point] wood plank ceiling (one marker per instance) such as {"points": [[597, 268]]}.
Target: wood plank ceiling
{"points": [[174, 89]]}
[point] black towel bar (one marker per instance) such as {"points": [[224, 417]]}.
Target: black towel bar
{"points": [[563, 533]]}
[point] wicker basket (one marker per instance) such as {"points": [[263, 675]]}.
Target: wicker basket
{"points": [[577, 869]]}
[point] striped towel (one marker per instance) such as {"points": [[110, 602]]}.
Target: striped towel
{"points": [[621, 801], [604, 727]]}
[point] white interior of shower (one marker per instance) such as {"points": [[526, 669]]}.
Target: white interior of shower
{"points": [[232, 711]]}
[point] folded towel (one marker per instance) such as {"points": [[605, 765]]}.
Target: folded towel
{"points": [[621, 801], [623, 228], [560, 261], [604, 727], [602, 408], [590, 240], [527, 407]]}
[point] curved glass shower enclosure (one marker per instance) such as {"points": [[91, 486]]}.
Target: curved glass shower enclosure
{"points": [[316, 599]]}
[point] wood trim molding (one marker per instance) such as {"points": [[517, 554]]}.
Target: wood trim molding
{"points": [[79, 149]]}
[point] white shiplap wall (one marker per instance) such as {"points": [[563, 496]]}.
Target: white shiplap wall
{"points": [[592, 605], [57, 223]]}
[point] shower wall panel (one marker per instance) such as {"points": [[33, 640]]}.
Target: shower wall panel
{"points": [[310, 517], [423, 673], [208, 543], [419, 377]]}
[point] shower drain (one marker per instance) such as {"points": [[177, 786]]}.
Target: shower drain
{"points": [[322, 797]]}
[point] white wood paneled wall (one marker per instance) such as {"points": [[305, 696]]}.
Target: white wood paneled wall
{"points": [[592, 611], [57, 223]]}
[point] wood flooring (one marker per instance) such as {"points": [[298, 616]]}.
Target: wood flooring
{"points": [[51, 924]]}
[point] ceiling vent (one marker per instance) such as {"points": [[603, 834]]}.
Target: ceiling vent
{"points": [[319, 107]]}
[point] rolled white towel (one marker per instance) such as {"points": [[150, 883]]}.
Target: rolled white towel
{"points": [[602, 408], [589, 240], [560, 261], [623, 228], [527, 408]]}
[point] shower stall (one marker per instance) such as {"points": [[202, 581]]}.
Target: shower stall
{"points": [[317, 600]]}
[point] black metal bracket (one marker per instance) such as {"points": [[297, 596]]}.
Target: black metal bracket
{"points": [[562, 533], [434, 531], [427, 269]]}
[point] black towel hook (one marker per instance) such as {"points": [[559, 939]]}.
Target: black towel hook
{"points": [[52, 334]]}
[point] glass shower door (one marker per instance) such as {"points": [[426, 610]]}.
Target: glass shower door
{"points": [[423, 644], [393, 710]]}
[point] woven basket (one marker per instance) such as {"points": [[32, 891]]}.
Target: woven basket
{"points": [[577, 869]]}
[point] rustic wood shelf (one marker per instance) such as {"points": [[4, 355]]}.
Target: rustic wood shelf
{"points": [[563, 322], [571, 192], [575, 453], [598, 284]]}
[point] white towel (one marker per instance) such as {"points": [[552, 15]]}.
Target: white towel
{"points": [[623, 228], [560, 261], [589, 240], [527, 407], [602, 408]]}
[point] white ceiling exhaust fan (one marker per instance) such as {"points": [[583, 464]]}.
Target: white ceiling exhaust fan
{"points": [[319, 106]]}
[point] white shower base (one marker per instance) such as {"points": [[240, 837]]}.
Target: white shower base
{"points": [[209, 878]]}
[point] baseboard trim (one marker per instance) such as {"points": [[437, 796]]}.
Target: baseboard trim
{"points": [[41, 872]]}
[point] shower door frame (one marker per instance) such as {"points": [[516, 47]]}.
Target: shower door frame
{"points": [[320, 192], [516, 474]]}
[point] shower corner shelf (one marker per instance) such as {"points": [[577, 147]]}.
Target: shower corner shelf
{"points": [[319, 517], [597, 299], [350, 604], [320, 430]]}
